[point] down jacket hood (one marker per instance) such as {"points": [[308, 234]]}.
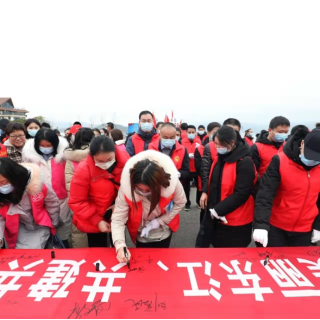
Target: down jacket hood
{"points": [[76, 155], [36, 182]]}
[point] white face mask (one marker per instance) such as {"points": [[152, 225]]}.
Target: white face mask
{"points": [[7, 188], [46, 150], [177, 138], [106, 165], [144, 194]]}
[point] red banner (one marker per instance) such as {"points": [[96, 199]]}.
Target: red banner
{"points": [[161, 283]]}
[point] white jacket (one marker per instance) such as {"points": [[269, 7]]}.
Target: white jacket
{"points": [[121, 210]]}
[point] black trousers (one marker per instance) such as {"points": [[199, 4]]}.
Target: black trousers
{"points": [[219, 235], [99, 240], [165, 243], [186, 185], [281, 238]]}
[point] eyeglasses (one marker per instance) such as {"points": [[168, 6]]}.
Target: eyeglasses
{"points": [[18, 137]]}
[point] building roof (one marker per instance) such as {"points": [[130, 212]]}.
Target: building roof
{"points": [[14, 110], [3, 100]]}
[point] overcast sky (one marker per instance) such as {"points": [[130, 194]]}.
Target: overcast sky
{"points": [[206, 60]]}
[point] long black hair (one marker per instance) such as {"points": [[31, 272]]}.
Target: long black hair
{"points": [[101, 144], [83, 137], [18, 176], [48, 135], [226, 135]]}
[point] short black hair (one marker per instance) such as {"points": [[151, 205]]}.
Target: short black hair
{"points": [[226, 135], [48, 135], [190, 126], [82, 137], [184, 126], [101, 144], [56, 131], [13, 126], [168, 124], [111, 125], [77, 123], [46, 125], [232, 122], [318, 125], [158, 124], [297, 127], [106, 132], [247, 130], [201, 127], [96, 130], [279, 121], [18, 177], [145, 112], [213, 125], [179, 130]]}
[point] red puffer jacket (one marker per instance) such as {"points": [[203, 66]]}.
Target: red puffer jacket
{"points": [[93, 190]]}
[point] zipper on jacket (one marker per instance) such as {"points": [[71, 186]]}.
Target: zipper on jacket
{"points": [[102, 175], [305, 200]]}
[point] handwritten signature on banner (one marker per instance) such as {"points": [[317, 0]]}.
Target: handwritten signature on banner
{"points": [[147, 305], [78, 312]]}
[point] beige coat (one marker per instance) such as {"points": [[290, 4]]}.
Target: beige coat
{"points": [[121, 211], [73, 156], [78, 238]]}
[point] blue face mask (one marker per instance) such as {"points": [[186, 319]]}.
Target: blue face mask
{"points": [[191, 136], [280, 137], [46, 150], [168, 143], [146, 126], [222, 150], [6, 189], [32, 132], [307, 162]]}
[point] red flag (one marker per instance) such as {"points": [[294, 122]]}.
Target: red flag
{"points": [[154, 120], [166, 119]]}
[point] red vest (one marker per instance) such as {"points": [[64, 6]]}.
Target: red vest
{"points": [[295, 205], [266, 153], [249, 141], [3, 151], [40, 216], [177, 154], [191, 147], [244, 214], [138, 142], [135, 216]]}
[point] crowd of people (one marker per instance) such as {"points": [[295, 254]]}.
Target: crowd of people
{"points": [[87, 187]]}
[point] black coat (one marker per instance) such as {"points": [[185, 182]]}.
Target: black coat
{"points": [[244, 181]]}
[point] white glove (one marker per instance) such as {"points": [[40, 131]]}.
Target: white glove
{"points": [[261, 236], [191, 155], [153, 224], [214, 214], [315, 236]]}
